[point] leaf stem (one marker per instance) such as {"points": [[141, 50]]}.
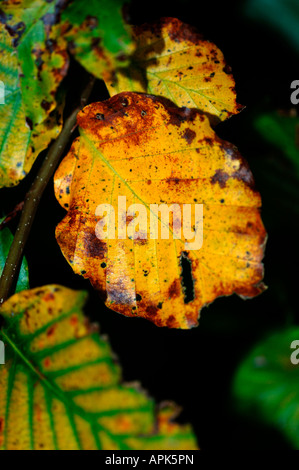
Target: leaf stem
{"points": [[34, 195]]}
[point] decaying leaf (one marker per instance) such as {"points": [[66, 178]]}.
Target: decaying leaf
{"points": [[97, 35], [173, 60], [138, 146], [33, 62], [60, 387]]}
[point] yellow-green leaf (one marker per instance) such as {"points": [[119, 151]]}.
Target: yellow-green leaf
{"points": [[33, 62], [173, 60], [138, 147], [61, 386], [97, 34]]}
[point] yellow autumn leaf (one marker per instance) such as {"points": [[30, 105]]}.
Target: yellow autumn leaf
{"points": [[60, 387], [173, 60], [135, 149]]}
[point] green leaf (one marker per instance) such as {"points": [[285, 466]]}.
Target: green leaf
{"points": [[33, 62], [6, 239], [282, 131], [97, 34], [266, 385], [61, 387]]}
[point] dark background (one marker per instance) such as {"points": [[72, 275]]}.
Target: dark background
{"points": [[195, 368]]}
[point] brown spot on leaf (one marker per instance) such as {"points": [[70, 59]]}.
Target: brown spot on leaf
{"points": [[180, 32], [47, 362], [189, 135], [51, 330], [74, 320], [49, 296], [45, 105], [171, 322], [175, 289], [93, 246], [151, 310], [91, 22], [16, 31], [220, 177]]}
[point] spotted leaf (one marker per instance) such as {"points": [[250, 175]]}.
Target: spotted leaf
{"points": [[173, 60], [97, 35], [61, 386], [33, 62], [137, 149]]}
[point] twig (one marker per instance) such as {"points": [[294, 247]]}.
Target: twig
{"points": [[34, 195]]}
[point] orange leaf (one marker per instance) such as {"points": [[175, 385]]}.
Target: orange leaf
{"points": [[138, 147]]}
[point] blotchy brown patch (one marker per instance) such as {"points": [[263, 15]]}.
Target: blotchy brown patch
{"points": [[191, 320], [93, 247], [175, 289], [180, 115], [189, 135], [243, 173], [51, 330], [49, 297], [140, 241], [220, 177], [151, 310], [180, 32], [171, 322]]}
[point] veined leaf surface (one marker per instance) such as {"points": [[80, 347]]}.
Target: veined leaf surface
{"points": [[33, 62], [97, 35], [173, 60], [61, 387], [137, 146]]}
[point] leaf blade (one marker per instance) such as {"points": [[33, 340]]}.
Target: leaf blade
{"points": [[172, 60], [79, 408], [34, 61], [152, 153]]}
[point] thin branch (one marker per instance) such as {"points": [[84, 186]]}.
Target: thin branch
{"points": [[33, 197]]}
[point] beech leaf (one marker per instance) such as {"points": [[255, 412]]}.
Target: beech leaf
{"points": [[33, 62], [97, 35], [173, 60], [35, 36], [60, 387], [140, 148]]}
